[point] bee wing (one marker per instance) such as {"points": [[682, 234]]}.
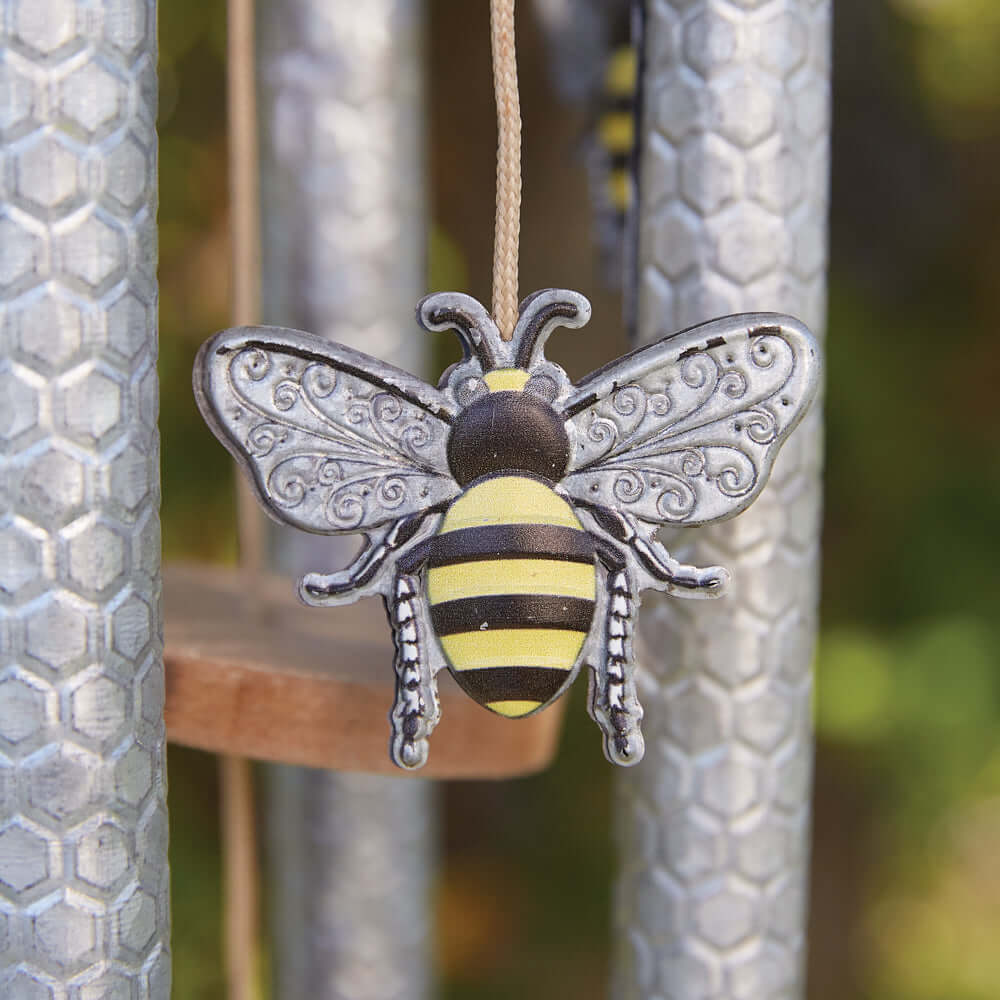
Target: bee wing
{"points": [[685, 431], [332, 439]]}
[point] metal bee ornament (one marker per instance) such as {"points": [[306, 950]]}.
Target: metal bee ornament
{"points": [[510, 515]]}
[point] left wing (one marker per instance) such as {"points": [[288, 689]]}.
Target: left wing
{"points": [[685, 431], [332, 439]]}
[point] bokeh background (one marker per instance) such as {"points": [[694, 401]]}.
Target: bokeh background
{"points": [[906, 860]]}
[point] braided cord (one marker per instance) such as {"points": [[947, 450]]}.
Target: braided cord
{"points": [[508, 217]]}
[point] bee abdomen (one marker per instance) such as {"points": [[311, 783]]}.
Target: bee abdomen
{"points": [[511, 584]]}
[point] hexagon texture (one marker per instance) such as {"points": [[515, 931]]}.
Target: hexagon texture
{"points": [[717, 815], [83, 866], [340, 97], [342, 107]]}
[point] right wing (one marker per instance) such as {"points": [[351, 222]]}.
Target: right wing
{"points": [[685, 430], [332, 439]]}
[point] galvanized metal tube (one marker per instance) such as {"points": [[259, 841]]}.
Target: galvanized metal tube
{"points": [[343, 255], [83, 822], [351, 872], [714, 823]]}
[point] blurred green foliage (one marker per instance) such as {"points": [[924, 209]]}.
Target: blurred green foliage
{"points": [[906, 900], [954, 51]]}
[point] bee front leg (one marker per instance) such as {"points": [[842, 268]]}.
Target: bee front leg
{"points": [[416, 710], [667, 574], [614, 703]]}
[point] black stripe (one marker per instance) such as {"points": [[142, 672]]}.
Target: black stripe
{"points": [[467, 614], [511, 541], [620, 102], [511, 683]]}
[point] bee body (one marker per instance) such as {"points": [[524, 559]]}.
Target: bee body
{"points": [[509, 514]]}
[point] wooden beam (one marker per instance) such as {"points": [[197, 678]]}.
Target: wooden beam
{"points": [[263, 676]]}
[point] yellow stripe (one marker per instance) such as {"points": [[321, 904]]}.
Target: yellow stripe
{"points": [[510, 576], [616, 131], [513, 647], [619, 190], [623, 68], [509, 500], [513, 709], [506, 378]]}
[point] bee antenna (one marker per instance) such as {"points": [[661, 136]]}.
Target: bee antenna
{"points": [[540, 314], [456, 311]]}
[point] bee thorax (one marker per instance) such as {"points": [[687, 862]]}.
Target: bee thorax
{"points": [[508, 431]]}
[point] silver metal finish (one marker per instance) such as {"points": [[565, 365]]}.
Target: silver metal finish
{"points": [[83, 822], [354, 921], [342, 181], [714, 824], [683, 431], [344, 245], [332, 439]]}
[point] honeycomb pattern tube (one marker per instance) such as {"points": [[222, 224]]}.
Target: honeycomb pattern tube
{"points": [[714, 824], [83, 820], [343, 256]]}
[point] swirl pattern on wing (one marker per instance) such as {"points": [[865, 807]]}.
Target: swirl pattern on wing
{"points": [[335, 441], [685, 431]]}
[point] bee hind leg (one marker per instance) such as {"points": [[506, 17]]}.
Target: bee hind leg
{"points": [[614, 703], [416, 709]]}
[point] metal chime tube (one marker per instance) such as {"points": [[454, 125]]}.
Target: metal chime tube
{"points": [[83, 818], [711, 899], [342, 196]]}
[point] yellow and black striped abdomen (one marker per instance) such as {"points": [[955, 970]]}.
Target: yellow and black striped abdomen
{"points": [[511, 584]]}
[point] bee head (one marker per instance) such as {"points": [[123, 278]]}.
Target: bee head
{"points": [[505, 388], [507, 426]]}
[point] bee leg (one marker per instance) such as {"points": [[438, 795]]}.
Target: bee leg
{"points": [[345, 586], [614, 704], [672, 577], [416, 709]]}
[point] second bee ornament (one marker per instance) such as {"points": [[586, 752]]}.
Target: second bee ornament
{"points": [[510, 515]]}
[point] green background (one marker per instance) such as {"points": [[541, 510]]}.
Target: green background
{"points": [[906, 865]]}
